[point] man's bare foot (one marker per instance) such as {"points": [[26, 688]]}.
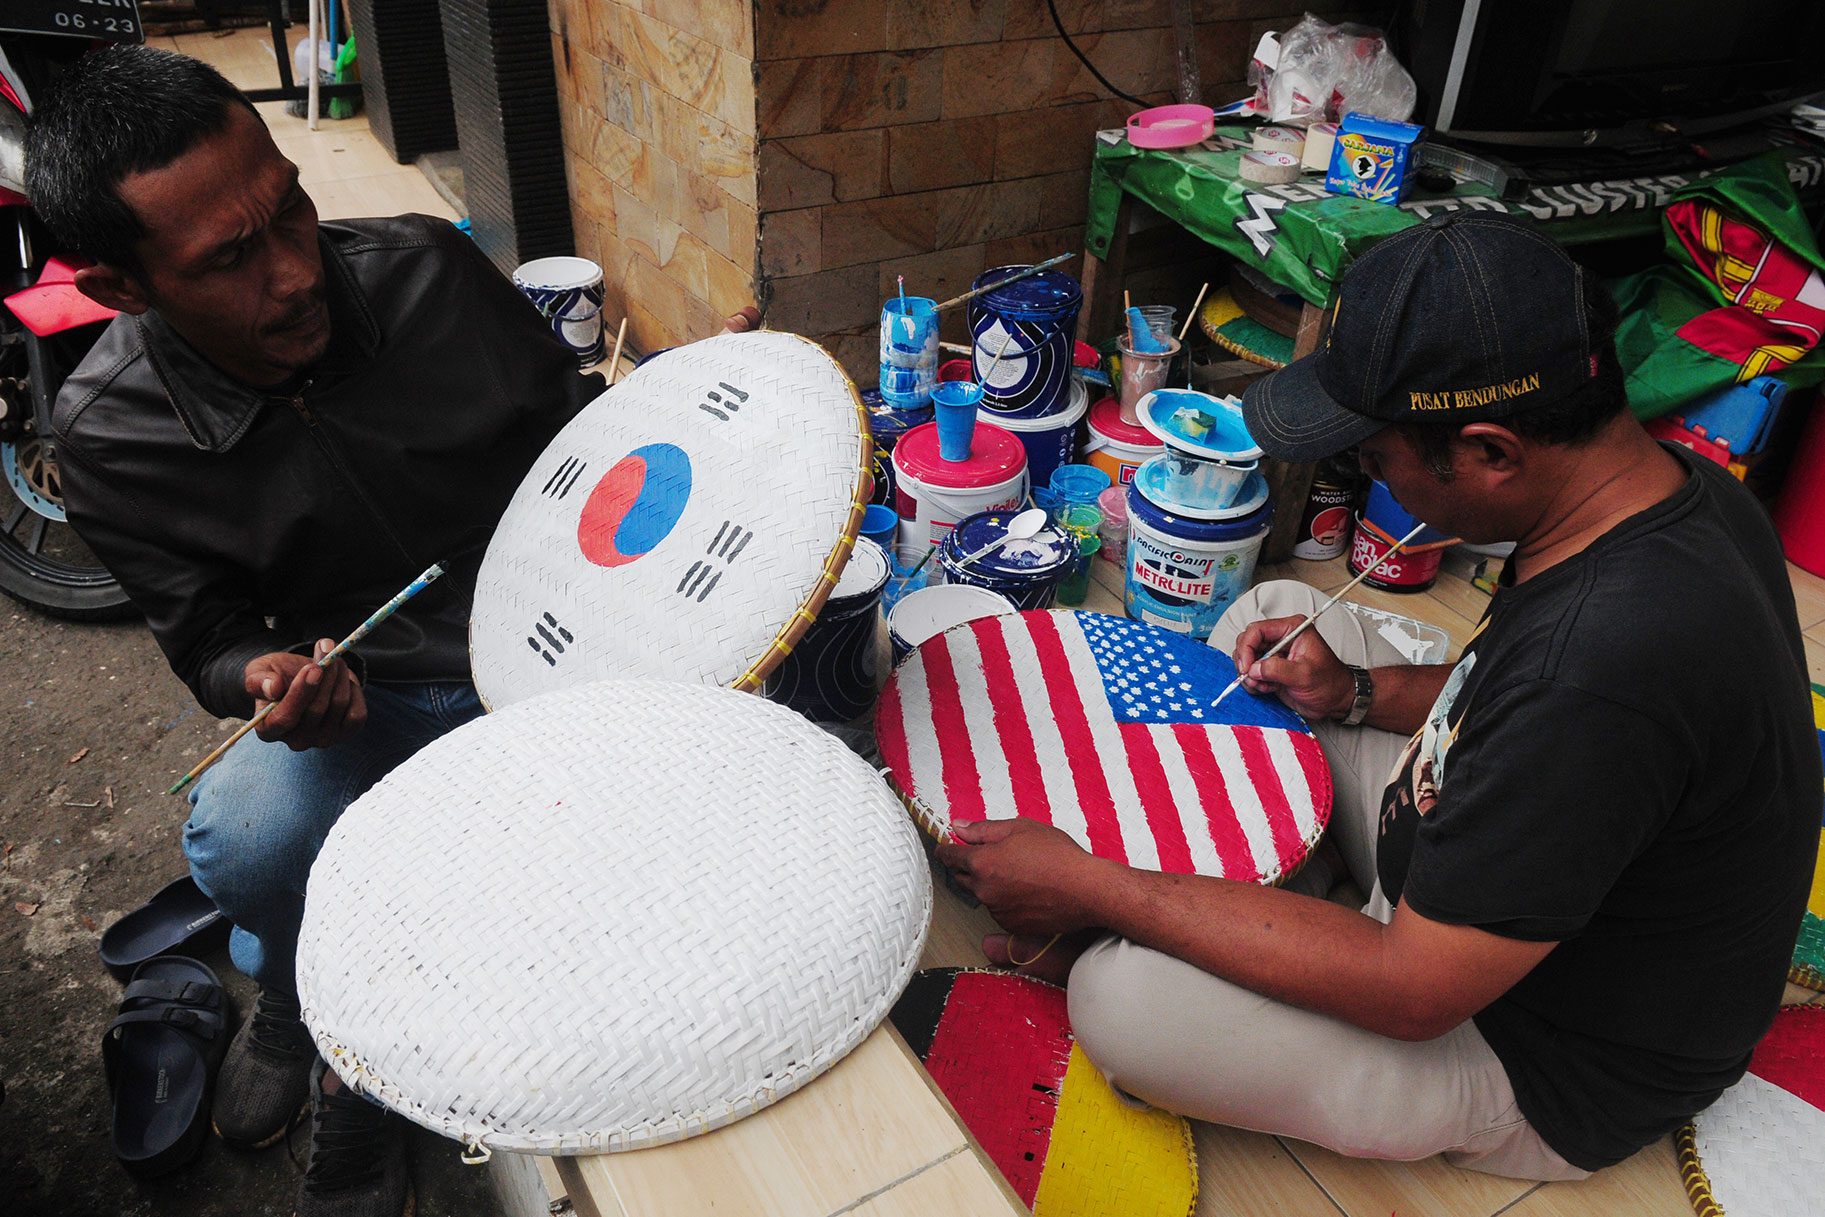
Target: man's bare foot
{"points": [[1038, 957]]}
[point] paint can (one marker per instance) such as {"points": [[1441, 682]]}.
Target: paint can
{"points": [[1379, 525], [1050, 441], [1116, 447], [930, 611], [1027, 571], [831, 676], [888, 422], [932, 494], [1184, 570], [909, 350], [568, 292], [1324, 526], [1037, 320], [1209, 452], [1799, 512]]}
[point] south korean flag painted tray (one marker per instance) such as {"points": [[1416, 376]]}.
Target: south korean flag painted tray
{"points": [[687, 525], [1107, 729]]}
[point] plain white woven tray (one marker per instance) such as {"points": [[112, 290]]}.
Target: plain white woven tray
{"points": [[610, 917]]}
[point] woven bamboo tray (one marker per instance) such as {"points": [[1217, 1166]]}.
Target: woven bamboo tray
{"points": [[610, 917], [687, 525]]}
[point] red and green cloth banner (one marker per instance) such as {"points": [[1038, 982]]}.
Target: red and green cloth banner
{"points": [[1743, 294]]}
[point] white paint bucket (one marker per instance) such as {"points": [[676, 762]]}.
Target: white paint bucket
{"points": [[568, 291], [930, 611], [932, 494], [1050, 441]]}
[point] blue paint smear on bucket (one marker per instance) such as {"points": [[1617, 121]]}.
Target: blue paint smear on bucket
{"points": [[1199, 673]]}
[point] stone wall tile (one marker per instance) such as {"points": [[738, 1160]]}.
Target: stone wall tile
{"points": [[834, 167], [731, 285], [874, 229], [915, 24], [728, 24], [931, 156], [651, 290], [1029, 18], [987, 213], [686, 67], [939, 275], [825, 302], [789, 96], [789, 29], [791, 242], [882, 89], [1049, 141], [628, 102], [1064, 198], [1031, 247]]}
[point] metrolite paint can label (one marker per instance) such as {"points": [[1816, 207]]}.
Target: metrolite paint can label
{"points": [[1186, 588]]}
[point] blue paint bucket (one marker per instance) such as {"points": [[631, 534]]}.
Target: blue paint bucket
{"points": [[1036, 320], [1050, 441], [888, 422], [1183, 570], [830, 676], [909, 350], [1026, 571]]}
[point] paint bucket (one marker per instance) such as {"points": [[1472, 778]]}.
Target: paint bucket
{"points": [[1079, 483], [1027, 571], [909, 350], [1037, 320], [1184, 571], [930, 611], [1050, 441], [1379, 525], [1116, 447], [954, 369], [888, 423], [568, 292], [830, 676], [932, 494], [1209, 452]]}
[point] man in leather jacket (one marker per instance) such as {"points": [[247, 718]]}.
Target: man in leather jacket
{"points": [[287, 422]]}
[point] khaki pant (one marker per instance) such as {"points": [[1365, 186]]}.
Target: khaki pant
{"points": [[1182, 1039]]}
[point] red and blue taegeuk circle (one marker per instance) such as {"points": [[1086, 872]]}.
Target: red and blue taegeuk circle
{"points": [[635, 505]]}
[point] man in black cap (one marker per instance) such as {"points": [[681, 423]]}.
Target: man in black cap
{"points": [[1587, 844]]}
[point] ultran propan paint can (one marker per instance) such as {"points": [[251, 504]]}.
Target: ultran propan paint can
{"points": [[1383, 522], [1184, 569]]}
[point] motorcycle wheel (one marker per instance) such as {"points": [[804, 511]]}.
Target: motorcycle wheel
{"points": [[43, 563]]}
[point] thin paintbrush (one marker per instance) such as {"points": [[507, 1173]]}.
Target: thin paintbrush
{"points": [[1305, 625], [1014, 278], [361, 631]]}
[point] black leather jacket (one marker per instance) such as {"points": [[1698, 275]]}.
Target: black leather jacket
{"points": [[220, 507]]}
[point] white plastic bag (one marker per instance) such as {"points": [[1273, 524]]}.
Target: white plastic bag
{"points": [[1319, 72]]}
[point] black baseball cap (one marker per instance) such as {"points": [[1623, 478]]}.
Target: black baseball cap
{"points": [[1466, 316]]}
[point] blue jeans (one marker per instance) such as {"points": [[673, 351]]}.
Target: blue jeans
{"points": [[261, 814]]}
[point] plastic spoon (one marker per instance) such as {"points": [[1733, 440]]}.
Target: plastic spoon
{"points": [[1026, 524]]}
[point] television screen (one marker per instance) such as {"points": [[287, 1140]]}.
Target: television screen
{"points": [[1609, 71]]}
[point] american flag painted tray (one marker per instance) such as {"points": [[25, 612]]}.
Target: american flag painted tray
{"points": [[1105, 728]]}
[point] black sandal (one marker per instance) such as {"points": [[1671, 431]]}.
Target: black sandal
{"points": [[161, 1056], [178, 917]]}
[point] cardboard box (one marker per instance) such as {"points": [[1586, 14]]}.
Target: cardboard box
{"points": [[1374, 159]]}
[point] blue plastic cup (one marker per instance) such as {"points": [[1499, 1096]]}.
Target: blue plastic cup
{"points": [[880, 524], [956, 402], [1079, 483]]}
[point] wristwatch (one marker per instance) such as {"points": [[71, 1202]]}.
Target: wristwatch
{"points": [[1365, 693]]}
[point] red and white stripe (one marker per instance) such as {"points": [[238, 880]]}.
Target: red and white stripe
{"points": [[1008, 716]]}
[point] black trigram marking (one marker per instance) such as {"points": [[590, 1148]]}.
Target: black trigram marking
{"points": [[700, 580], [732, 538], [560, 482], [553, 640], [718, 403]]}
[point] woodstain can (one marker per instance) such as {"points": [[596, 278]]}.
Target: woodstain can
{"points": [[1324, 526]]}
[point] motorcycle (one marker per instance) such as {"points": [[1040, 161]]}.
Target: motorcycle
{"points": [[46, 327]]}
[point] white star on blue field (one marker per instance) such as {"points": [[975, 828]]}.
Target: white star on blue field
{"points": [[1153, 677]]}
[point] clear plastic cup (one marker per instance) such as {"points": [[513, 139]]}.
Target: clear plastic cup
{"points": [[1142, 373], [1074, 588]]}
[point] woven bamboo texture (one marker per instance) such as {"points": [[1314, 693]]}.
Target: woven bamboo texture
{"points": [[610, 917], [687, 525], [1756, 1152]]}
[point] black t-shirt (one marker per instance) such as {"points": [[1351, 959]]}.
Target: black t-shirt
{"points": [[1623, 762]]}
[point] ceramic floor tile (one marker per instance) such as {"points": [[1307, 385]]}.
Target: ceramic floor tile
{"points": [[955, 940], [1808, 595], [244, 56], [1815, 657], [1250, 1172], [385, 194], [335, 153], [962, 1185], [1646, 1185], [282, 124], [1427, 1188]]}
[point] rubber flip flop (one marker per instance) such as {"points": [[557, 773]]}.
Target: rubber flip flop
{"points": [[161, 1056], [178, 916]]}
